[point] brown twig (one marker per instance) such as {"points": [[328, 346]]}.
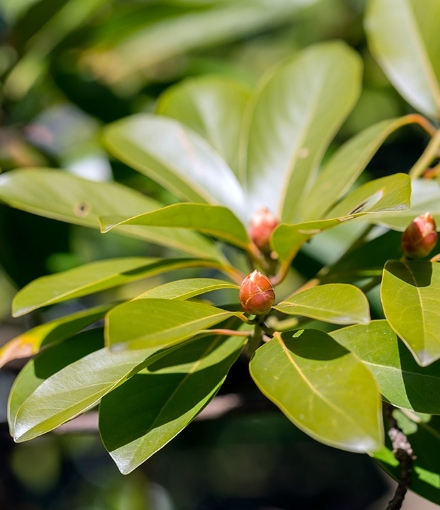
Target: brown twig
{"points": [[404, 454]]}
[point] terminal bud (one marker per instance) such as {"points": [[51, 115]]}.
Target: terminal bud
{"points": [[420, 237], [256, 294], [261, 227]]}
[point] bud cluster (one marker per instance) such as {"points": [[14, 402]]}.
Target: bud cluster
{"points": [[256, 294]]}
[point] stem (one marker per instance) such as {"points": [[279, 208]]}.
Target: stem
{"points": [[404, 454], [226, 332], [430, 153], [422, 121]]}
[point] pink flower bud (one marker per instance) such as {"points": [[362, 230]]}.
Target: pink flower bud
{"points": [[261, 227], [420, 237], [256, 294]]}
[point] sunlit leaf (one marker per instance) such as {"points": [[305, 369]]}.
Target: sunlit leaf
{"points": [[410, 295], [371, 201], [400, 44], [149, 322], [93, 277], [399, 376], [186, 289], [317, 384], [213, 106], [66, 197], [338, 303], [47, 363], [28, 343], [146, 412], [177, 158], [75, 389], [344, 167], [296, 114], [216, 221]]}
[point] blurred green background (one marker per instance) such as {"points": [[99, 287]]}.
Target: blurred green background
{"points": [[67, 67]]}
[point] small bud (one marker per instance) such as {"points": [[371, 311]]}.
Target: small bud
{"points": [[256, 294], [261, 227], [420, 237]]}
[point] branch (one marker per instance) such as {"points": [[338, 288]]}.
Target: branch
{"points": [[404, 454]]}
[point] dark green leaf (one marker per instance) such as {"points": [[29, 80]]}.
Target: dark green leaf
{"points": [[146, 412], [317, 384], [410, 295], [402, 381]]}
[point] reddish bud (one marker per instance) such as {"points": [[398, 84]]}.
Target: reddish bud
{"points": [[261, 227], [420, 237], [256, 294]]}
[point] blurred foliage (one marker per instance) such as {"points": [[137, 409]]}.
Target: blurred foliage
{"points": [[67, 67]]}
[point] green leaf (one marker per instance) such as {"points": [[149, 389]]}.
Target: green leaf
{"points": [[28, 343], [46, 364], [344, 167], [146, 412], [400, 44], [423, 434], [187, 288], [322, 388], [399, 376], [213, 106], [296, 114], [410, 294], [93, 277], [178, 159], [216, 221], [425, 197], [371, 201], [338, 303], [66, 197], [148, 322], [75, 389]]}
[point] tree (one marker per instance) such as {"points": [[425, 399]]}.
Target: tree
{"points": [[254, 186]]}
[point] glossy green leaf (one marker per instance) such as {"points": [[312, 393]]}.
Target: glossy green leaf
{"points": [[66, 197], [146, 412], [187, 288], [296, 114], [425, 197], [31, 341], [46, 364], [75, 389], [148, 322], [399, 376], [322, 388], [410, 294], [214, 220], [213, 106], [344, 167], [372, 202], [424, 436], [177, 158], [93, 277], [338, 303], [399, 44]]}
